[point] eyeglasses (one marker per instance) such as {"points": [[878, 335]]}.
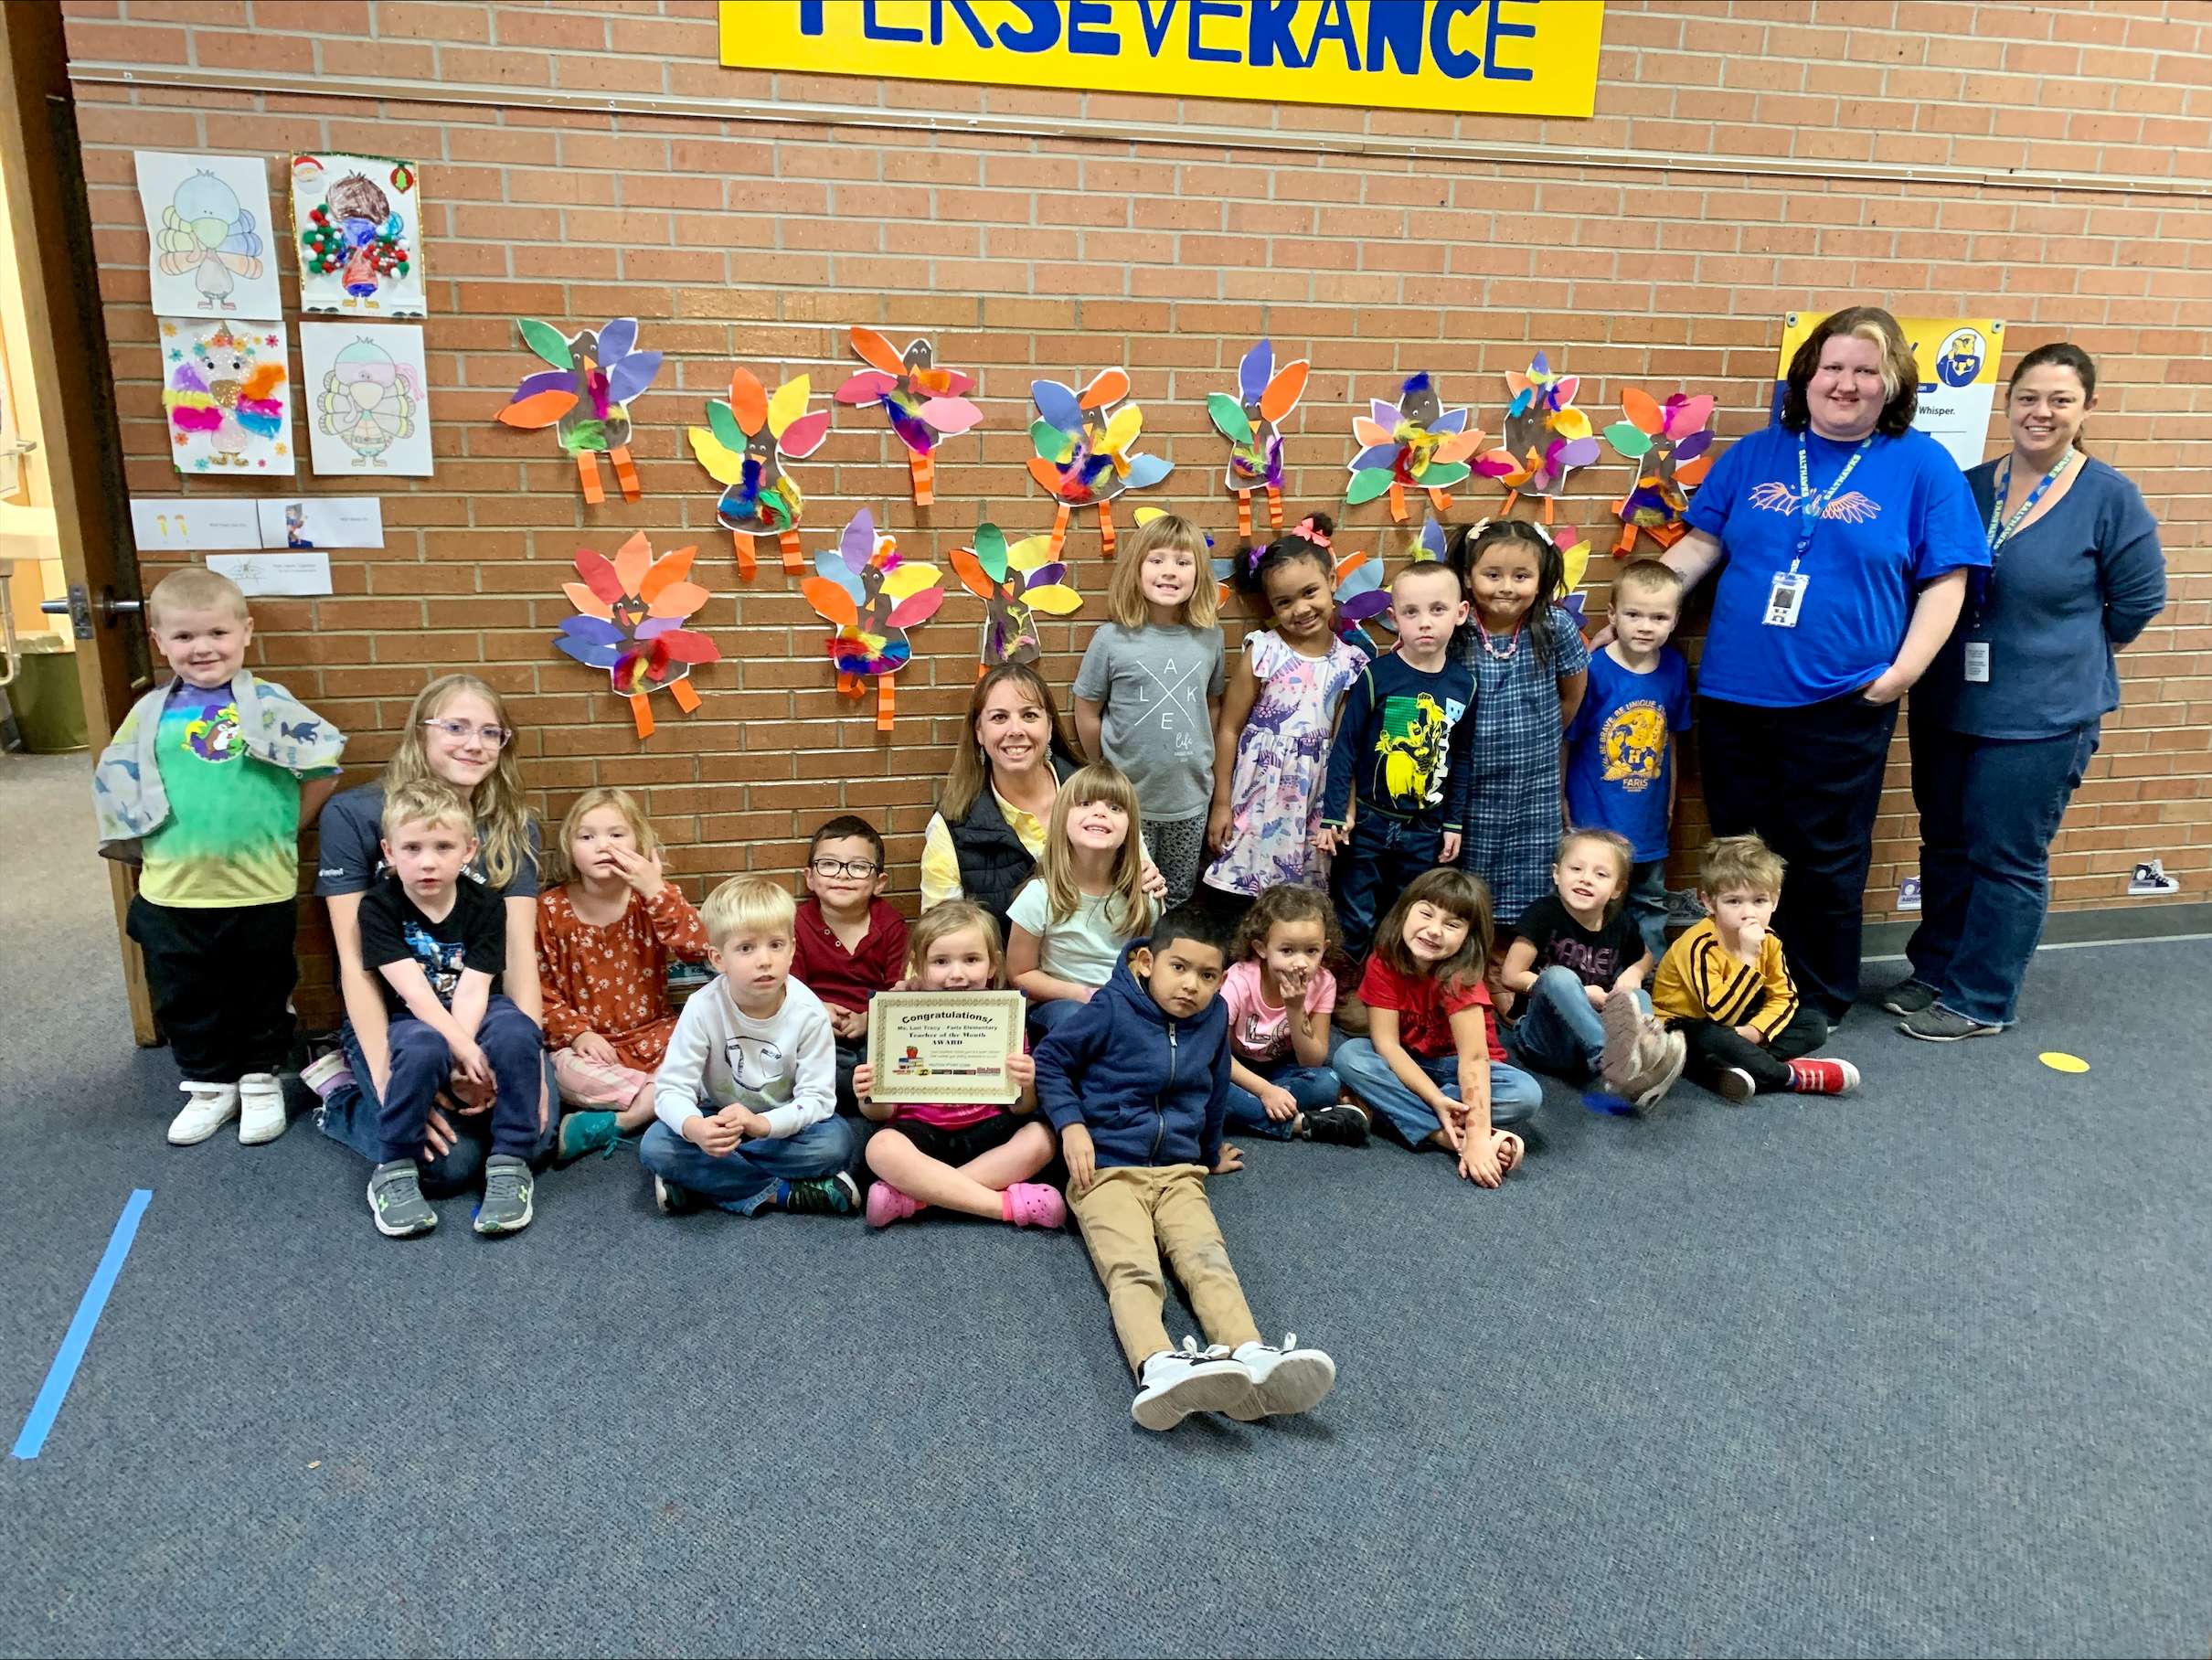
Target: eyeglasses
{"points": [[494, 738], [859, 869]]}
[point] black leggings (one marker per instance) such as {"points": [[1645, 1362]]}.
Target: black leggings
{"points": [[1713, 1045]]}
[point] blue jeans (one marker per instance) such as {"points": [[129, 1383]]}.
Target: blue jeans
{"points": [[1514, 1095], [1386, 854], [1044, 1016], [1313, 1087], [744, 1179], [354, 1116], [1648, 905], [1559, 1029], [1989, 808]]}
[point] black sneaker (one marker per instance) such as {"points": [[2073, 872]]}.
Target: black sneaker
{"points": [[1936, 1024], [671, 1200], [1908, 996], [506, 1204], [824, 1195], [1735, 1085], [1342, 1125]]}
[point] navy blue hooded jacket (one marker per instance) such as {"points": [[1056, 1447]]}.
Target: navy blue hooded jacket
{"points": [[1150, 1090]]}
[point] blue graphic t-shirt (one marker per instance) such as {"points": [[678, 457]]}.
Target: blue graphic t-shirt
{"points": [[1903, 518], [1621, 749]]}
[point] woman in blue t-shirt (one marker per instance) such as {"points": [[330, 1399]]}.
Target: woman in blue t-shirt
{"points": [[1842, 539], [2007, 718]]}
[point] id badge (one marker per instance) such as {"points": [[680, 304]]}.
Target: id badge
{"points": [[1788, 599], [1977, 662]]}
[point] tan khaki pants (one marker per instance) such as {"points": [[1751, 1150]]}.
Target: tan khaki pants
{"points": [[1131, 1214]]}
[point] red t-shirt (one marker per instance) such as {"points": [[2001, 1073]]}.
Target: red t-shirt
{"points": [[1425, 1009], [849, 978]]}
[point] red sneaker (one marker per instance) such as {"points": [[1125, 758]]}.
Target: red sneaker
{"points": [[1819, 1077]]}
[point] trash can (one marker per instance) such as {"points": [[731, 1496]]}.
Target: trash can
{"points": [[47, 701]]}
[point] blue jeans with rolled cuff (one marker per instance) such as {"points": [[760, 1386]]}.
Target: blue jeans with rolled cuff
{"points": [[1560, 1030], [744, 1179], [1313, 1087], [1514, 1096]]}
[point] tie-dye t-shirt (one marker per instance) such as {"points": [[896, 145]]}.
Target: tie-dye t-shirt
{"points": [[233, 831]]}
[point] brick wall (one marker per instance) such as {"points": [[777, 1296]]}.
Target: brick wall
{"points": [[1743, 163]]}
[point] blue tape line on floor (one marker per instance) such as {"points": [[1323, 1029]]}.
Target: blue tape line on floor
{"points": [[63, 1372]]}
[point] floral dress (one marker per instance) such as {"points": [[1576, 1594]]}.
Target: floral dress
{"points": [[1514, 811], [1275, 790]]}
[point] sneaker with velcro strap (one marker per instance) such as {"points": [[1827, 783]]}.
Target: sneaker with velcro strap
{"points": [[395, 1199], [506, 1206]]}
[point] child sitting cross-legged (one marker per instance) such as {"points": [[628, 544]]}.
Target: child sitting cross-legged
{"points": [[604, 940], [1136, 1081], [438, 946], [1278, 997], [976, 1158], [850, 942], [747, 1096], [1725, 986]]}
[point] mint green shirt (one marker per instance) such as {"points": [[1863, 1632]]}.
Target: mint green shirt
{"points": [[233, 833]]}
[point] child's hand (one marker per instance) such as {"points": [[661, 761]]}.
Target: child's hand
{"points": [[592, 1046], [1479, 1161], [1448, 850], [1597, 994], [466, 1095], [1218, 824], [1082, 1156], [1281, 1104], [1751, 1033], [641, 871], [750, 1125], [712, 1134], [1021, 1071], [470, 1062], [1450, 1118], [864, 1080], [1326, 840], [1232, 1158], [1152, 881], [841, 1019]]}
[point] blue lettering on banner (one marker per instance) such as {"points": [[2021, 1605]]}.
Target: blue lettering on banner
{"points": [[876, 29], [1156, 24], [1397, 30], [962, 9], [1042, 33], [810, 17], [1500, 29], [1336, 23], [1449, 59], [1271, 40], [1091, 30], [1200, 10]]}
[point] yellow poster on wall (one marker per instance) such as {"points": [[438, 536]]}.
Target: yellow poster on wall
{"points": [[1491, 57], [1958, 360]]}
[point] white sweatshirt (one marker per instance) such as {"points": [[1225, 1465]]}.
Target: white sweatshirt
{"points": [[783, 1068]]}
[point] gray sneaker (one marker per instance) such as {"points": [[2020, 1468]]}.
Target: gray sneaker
{"points": [[505, 1207], [395, 1199], [1908, 996], [1936, 1024]]}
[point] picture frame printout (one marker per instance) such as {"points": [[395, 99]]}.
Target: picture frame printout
{"points": [[944, 1048]]}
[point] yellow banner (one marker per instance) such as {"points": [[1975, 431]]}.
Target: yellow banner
{"points": [[1491, 57], [1958, 362]]}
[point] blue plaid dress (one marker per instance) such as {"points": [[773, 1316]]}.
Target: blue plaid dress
{"points": [[1513, 815]]}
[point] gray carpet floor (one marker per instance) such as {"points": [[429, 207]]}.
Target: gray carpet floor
{"points": [[1918, 1372]]}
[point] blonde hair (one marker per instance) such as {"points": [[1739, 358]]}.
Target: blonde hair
{"points": [[1128, 908], [502, 814], [1901, 370], [1652, 576], [436, 804], [747, 903], [1731, 862], [604, 795], [965, 779], [1125, 600], [195, 588], [946, 918], [1625, 856]]}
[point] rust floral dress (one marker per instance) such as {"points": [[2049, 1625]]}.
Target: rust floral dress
{"points": [[613, 979]]}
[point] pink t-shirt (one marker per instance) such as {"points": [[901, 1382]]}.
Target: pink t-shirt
{"points": [[1259, 1031], [951, 1116]]}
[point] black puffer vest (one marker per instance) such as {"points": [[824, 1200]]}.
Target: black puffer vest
{"points": [[993, 862]]}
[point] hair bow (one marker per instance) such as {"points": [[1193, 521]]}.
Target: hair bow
{"points": [[1304, 527]]}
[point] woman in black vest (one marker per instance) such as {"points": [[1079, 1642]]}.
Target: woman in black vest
{"points": [[982, 841]]}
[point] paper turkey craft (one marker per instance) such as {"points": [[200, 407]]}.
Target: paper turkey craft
{"points": [[631, 619], [1014, 583], [1546, 436], [872, 596], [1361, 598], [1252, 422], [1415, 441], [744, 446], [585, 397], [925, 405], [1672, 449], [1083, 442]]}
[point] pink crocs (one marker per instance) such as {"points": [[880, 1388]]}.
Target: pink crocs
{"points": [[1033, 1205], [887, 1205]]}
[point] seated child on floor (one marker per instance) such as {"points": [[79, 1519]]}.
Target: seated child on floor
{"points": [[1069, 923], [439, 946], [1278, 997], [1432, 1032], [747, 1095], [851, 942], [1136, 1081], [1725, 986], [979, 1159], [1578, 962], [604, 940]]}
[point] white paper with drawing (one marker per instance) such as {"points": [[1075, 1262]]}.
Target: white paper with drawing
{"points": [[368, 406], [227, 391], [208, 229], [357, 223]]}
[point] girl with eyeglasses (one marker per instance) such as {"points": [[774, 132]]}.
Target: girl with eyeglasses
{"points": [[458, 734]]}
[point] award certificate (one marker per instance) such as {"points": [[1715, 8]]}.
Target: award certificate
{"points": [[948, 1048]]}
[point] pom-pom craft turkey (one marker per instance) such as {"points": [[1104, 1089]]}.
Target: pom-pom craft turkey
{"points": [[1546, 436], [925, 404], [1415, 441], [1252, 422], [1083, 442], [1672, 449], [743, 446], [872, 597], [632, 611], [585, 397], [1015, 582]]}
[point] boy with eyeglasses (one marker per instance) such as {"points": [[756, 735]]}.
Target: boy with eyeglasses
{"points": [[851, 942]]}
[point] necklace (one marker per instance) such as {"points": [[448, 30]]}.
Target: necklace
{"points": [[1490, 648]]}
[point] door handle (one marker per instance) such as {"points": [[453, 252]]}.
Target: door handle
{"points": [[80, 606]]}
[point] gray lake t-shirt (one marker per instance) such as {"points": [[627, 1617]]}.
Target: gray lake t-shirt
{"points": [[1155, 683]]}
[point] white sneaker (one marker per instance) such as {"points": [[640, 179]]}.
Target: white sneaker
{"points": [[1285, 1379], [1179, 1382], [260, 1109], [212, 1106]]}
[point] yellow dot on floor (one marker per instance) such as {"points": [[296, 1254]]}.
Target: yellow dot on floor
{"points": [[2059, 1061]]}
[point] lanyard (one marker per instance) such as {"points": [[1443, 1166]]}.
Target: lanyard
{"points": [[1811, 506], [1999, 534]]}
